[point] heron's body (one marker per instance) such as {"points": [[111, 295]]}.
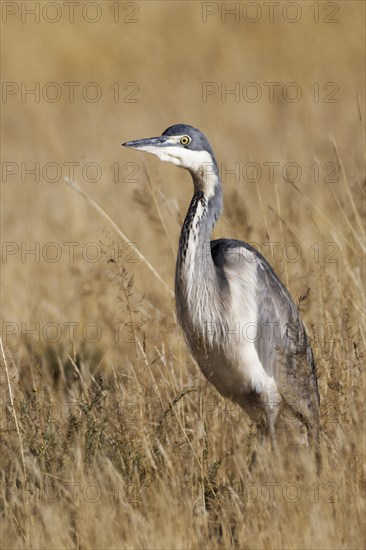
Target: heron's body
{"points": [[239, 321]]}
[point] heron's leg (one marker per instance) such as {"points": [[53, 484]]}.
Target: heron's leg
{"points": [[271, 403], [271, 419], [265, 435]]}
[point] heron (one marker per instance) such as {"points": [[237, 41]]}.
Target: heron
{"points": [[223, 288]]}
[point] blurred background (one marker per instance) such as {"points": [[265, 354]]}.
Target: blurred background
{"points": [[278, 89]]}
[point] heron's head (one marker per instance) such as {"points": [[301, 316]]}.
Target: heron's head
{"points": [[182, 145]]}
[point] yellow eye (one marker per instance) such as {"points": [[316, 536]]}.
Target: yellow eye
{"points": [[185, 140]]}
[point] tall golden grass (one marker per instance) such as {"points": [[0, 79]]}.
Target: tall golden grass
{"points": [[110, 436]]}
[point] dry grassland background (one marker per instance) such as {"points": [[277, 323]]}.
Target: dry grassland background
{"points": [[114, 439]]}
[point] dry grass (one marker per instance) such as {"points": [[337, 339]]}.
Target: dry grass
{"points": [[120, 443]]}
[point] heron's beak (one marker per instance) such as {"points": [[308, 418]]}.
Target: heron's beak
{"points": [[147, 144], [162, 147]]}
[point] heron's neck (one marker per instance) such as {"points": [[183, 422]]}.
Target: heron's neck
{"points": [[195, 270]]}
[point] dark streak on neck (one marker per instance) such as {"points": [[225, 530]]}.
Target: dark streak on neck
{"points": [[198, 198]]}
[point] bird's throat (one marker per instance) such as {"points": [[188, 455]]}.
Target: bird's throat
{"points": [[195, 270]]}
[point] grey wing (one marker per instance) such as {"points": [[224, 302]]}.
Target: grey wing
{"points": [[281, 342], [283, 347]]}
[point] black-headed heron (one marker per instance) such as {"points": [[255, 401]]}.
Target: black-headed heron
{"points": [[239, 320]]}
